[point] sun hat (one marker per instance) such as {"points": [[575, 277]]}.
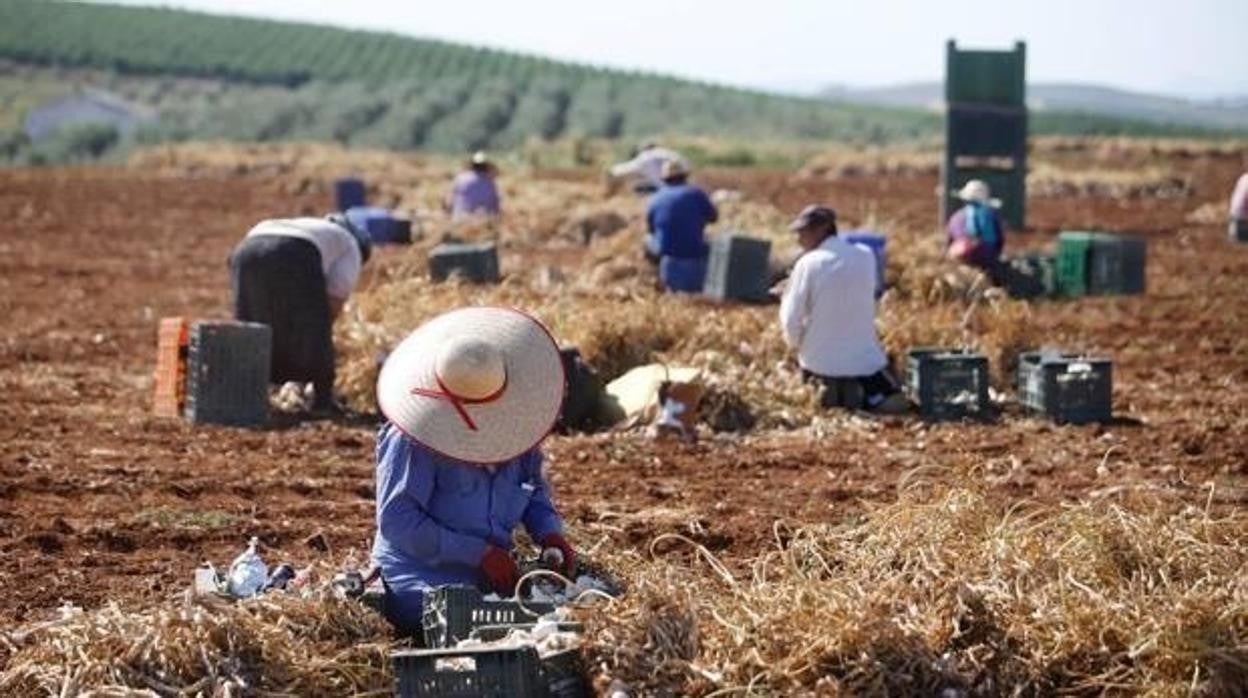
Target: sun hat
{"points": [[813, 215], [977, 191], [480, 385], [480, 158], [674, 167], [362, 238]]}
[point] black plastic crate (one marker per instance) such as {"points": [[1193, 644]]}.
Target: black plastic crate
{"points": [[948, 383], [454, 673], [227, 373], [452, 613], [738, 268], [1117, 265], [1237, 231], [564, 675], [1067, 387], [986, 130], [476, 262], [1031, 275]]}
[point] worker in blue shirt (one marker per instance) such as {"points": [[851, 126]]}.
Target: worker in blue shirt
{"points": [[468, 398], [677, 218]]}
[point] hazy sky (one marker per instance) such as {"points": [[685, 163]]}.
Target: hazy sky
{"points": [[1187, 47]]}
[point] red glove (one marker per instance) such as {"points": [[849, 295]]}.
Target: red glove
{"points": [[554, 541], [500, 570]]}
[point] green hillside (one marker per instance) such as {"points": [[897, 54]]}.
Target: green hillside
{"points": [[217, 77], [426, 93]]}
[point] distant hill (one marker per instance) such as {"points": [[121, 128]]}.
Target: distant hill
{"points": [[420, 92], [1229, 113], [219, 77]]}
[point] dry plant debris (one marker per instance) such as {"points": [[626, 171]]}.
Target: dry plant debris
{"points": [[278, 644], [944, 591]]}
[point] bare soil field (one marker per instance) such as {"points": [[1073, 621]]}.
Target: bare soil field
{"points": [[101, 501]]}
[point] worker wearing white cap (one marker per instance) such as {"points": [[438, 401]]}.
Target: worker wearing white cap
{"points": [[468, 397], [976, 232], [474, 191]]}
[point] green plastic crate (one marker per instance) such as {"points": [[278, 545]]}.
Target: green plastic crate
{"points": [[1073, 250], [986, 77], [1100, 264]]}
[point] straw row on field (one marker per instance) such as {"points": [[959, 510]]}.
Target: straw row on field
{"points": [[944, 589]]}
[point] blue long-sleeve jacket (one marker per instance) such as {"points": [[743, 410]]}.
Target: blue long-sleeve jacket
{"points": [[436, 515], [677, 216]]}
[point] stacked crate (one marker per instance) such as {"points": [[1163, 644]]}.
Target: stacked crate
{"points": [[485, 672], [171, 349], [348, 193], [453, 613], [986, 127]]}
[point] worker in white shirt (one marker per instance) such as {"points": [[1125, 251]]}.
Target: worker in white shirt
{"points": [[827, 313], [295, 274], [645, 169]]}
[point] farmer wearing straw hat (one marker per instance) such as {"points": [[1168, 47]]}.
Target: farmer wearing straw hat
{"points": [[676, 219], [474, 191], [468, 397], [295, 275], [976, 232], [827, 314]]}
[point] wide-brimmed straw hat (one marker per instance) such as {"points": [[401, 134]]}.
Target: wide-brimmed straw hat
{"points": [[977, 191], [480, 385]]}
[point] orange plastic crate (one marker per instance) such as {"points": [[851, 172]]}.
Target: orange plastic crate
{"points": [[171, 350]]}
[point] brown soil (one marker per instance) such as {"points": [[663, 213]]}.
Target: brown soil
{"points": [[99, 500]]}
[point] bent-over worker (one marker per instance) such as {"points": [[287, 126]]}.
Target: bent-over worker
{"points": [[644, 171], [294, 275]]}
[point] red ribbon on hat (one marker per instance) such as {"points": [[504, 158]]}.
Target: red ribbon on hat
{"points": [[458, 401]]}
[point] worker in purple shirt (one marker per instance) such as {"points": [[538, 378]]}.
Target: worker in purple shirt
{"points": [[976, 233], [474, 191], [468, 396], [676, 219]]}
